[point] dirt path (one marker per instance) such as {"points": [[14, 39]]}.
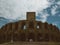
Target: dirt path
{"points": [[31, 43]]}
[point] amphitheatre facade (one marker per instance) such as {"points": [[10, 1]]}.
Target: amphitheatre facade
{"points": [[29, 30]]}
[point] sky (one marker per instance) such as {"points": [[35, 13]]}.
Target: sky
{"points": [[14, 10]]}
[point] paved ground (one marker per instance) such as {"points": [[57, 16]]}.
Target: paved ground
{"points": [[32, 43]]}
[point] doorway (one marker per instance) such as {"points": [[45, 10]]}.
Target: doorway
{"points": [[31, 37]]}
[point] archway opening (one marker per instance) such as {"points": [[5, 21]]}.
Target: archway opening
{"points": [[46, 37], [39, 37], [31, 37], [22, 37]]}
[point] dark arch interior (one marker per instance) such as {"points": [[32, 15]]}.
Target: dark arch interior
{"points": [[39, 37], [31, 37]]}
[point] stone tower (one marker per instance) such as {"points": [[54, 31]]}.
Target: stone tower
{"points": [[31, 16]]}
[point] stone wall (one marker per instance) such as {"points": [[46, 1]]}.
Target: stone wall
{"points": [[17, 32], [29, 30]]}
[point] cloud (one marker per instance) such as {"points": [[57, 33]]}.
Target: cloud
{"points": [[43, 16], [52, 1], [58, 2], [16, 9], [53, 10], [54, 24], [59, 15]]}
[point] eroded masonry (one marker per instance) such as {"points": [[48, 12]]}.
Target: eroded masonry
{"points": [[29, 30]]}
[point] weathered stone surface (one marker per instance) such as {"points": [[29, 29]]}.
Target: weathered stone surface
{"points": [[29, 30]]}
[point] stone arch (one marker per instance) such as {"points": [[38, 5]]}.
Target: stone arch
{"points": [[8, 37], [23, 25], [52, 37], [39, 37], [31, 37], [2, 38], [39, 25], [15, 37], [22, 37], [46, 37]]}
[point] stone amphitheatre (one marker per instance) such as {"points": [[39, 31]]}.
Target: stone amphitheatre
{"points": [[29, 30]]}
